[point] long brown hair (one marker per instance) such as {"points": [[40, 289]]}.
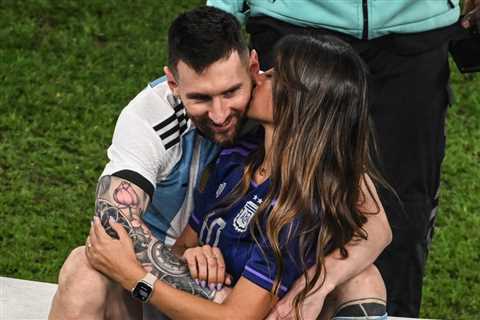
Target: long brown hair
{"points": [[321, 151]]}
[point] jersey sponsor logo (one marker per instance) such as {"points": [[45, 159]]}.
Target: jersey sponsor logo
{"points": [[220, 189], [245, 215], [171, 129]]}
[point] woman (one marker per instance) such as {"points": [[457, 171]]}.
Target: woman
{"points": [[277, 209]]}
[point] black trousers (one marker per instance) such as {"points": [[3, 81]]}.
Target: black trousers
{"points": [[409, 97]]}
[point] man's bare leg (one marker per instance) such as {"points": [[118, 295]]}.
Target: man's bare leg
{"points": [[84, 293], [366, 288]]}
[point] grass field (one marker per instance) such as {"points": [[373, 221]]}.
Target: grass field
{"points": [[67, 68]]}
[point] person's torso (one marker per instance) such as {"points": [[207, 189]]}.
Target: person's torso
{"points": [[230, 230], [363, 19], [165, 148], [188, 155]]}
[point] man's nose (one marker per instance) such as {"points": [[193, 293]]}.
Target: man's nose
{"points": [[219, 111]]}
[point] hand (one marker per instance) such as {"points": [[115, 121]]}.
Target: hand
{"points": [[312, 305], [221, 295], [113, 257], [207, 266], [471, 12]]}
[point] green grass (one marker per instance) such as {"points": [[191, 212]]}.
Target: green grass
{"points": [[67, 68]]}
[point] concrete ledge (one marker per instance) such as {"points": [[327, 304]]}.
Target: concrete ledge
{"points": [[31, 300], [25, 300]]}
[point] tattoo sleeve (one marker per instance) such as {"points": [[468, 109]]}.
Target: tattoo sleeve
{"points": [[125, 203]]}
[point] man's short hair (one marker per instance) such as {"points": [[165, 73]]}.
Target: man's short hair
{"points": [[203, 36]]}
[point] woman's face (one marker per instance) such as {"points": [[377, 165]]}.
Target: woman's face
{"points": [[261, 106]]}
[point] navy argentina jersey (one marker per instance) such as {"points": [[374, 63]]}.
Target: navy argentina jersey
{"points": [[229, 230]]}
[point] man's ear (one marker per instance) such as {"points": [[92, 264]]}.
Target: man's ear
{"points": [[254, 65], [172, 82]]}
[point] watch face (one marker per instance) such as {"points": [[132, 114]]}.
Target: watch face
{"points": [[142, 291]]}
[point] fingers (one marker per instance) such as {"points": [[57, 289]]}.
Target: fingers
{"points": [[92, 236], [212, 267], [190, 256], [97, 232], [220, 276], [191, 260], [207, 266], [121, 232], [202, 264], [228, 279], [99, 237]]}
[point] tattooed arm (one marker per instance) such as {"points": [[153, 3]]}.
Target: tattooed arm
{"points": [[116, 258], [125, 203]]}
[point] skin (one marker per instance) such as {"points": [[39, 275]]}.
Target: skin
{"points": [[218, 104], [220, 121], [471, 12], [216, 99], [359, 256], [215, 109], [205, 262], [338, 270], [246, 300]]}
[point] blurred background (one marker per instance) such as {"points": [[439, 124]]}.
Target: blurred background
{"points": [[67, 68]]}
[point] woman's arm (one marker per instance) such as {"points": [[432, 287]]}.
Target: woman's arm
{"points": [[117, 258], [246, 301], [361, 254]]}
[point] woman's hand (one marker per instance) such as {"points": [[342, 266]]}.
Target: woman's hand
{"points": [[114, 258], [207, 266], [311, 307], [221, 295]]}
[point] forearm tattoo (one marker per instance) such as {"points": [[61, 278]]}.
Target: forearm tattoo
{"points": [[117, 199]]}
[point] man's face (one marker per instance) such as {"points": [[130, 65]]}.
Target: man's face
{"points": [[216, 99]]}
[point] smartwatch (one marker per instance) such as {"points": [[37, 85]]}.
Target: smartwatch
{"points": [[144, 288]]}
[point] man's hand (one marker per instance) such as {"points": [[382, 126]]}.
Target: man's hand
{"points": [[206, 265], [114, 258], [312, 305], [471, 12]]}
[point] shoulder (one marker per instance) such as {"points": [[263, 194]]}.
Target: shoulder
{"points": [[157, 110]]}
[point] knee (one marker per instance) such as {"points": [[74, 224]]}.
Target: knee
{"points": [[367, 284], [81, 288], [369, 275], [74, 262]]}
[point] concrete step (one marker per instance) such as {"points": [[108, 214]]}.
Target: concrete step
{"points": [[25, 300], [31, 300]]}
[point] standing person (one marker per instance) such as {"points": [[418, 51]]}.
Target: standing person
{"points": [[163, 139], [405, 45], [275, 208]]}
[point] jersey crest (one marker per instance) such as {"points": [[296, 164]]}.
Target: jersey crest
{"points": [[245, 215]]}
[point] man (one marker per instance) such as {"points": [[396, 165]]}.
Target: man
{"points": [[405, 45], [162, 141]]}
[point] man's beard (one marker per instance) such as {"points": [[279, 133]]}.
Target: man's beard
{"points": [[204, 125]]}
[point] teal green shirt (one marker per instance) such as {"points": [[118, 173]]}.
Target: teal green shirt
{"points": [[362, 19]]}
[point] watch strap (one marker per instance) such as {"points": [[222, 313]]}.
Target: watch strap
{"points": [[149, 279], [144, 288]]}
